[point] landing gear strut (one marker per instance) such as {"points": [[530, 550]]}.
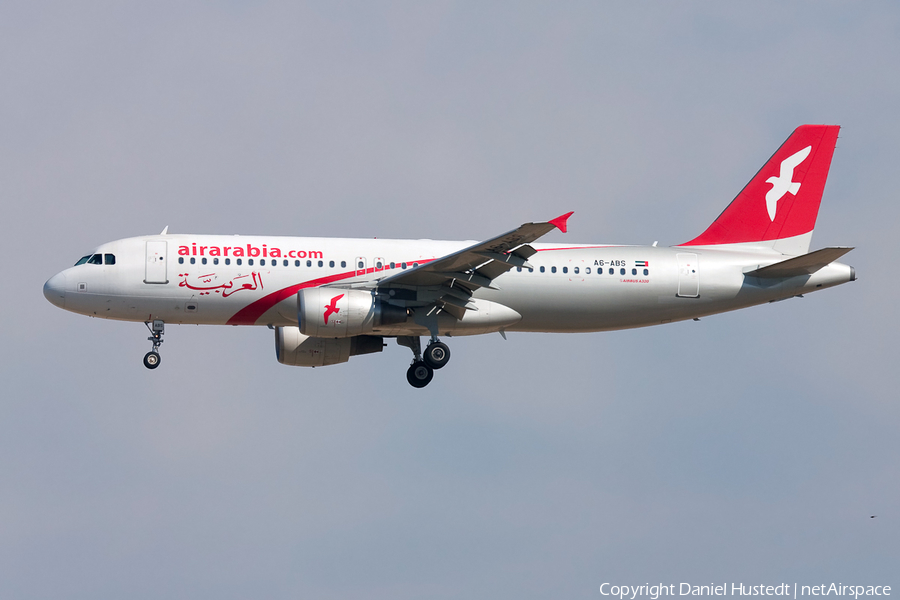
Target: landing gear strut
{"points": [[157, 329], [421, 371]]}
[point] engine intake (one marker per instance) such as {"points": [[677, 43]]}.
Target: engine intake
{"points": [[339, 313]]}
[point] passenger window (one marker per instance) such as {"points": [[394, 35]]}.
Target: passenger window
{"points": [[379, 265], [203, 260], [576, 270], [646, 272], [215, 261], [321, 263], [109, 259], [238, 261], [296, 263], [543, 269], [612, 271], [285, 263], [343, 264], [565, 269], [553, 269], [250, 261], [96, 259], [415, 265], [180, 260], [83, 260], [530, 270], [587, 271], [621, 271], [227, 261], [331, 263], [402, 265], [193, 260], [309, 263], [393, 266], [634, 271]]}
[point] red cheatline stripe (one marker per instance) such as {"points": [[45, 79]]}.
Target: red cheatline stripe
{"points": [[251, 313], [573, 248]]}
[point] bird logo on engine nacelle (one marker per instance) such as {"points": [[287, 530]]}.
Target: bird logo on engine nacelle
{"points": [[331, 308]]}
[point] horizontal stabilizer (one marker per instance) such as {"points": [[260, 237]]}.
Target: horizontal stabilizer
{"points": [[806, 264]]}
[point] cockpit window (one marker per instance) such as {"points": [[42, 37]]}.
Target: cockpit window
{"points": [[83, 260], [96, 259], [109, 259]]}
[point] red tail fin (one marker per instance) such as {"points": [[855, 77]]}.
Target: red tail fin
{"points": [[782, 200]]}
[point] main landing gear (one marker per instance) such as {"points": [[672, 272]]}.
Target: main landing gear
{"points": [[157, 329], [437, 354], [421, 371], [419, 374]]}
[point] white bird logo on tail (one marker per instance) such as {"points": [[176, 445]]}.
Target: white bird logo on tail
{"points": [[783, 184]]}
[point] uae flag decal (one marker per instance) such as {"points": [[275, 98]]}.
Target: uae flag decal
{"points": [[641, 263]]}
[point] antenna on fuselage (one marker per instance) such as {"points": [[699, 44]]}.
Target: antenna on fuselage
{"points": [[164, 231]]}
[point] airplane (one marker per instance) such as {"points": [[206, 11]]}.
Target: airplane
{"points": [[328, 299]]}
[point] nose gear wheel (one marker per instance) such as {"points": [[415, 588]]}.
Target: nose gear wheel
{"points": [[157, 329], [151, 360]]}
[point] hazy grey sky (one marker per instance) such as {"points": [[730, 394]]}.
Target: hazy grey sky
{"points": [[748, 447]]}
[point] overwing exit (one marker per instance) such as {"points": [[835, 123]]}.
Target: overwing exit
{"points": [[328, 299]]}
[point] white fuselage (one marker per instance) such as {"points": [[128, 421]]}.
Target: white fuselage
{"points": [[254, 280]]}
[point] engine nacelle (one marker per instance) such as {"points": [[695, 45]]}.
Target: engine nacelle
{"points": [[338, 313], [298, 350]]}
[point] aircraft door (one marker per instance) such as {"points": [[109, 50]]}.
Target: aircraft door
{"points": [[688, 275], [360, 266], [155, 271]]}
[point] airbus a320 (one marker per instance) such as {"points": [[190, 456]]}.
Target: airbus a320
{"points": [[329, 299]]}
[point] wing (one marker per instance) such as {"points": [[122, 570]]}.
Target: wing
{"points": [[448, 282]]}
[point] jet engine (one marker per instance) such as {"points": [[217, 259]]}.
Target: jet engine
{"points": [[298, 350], [342, 313]]}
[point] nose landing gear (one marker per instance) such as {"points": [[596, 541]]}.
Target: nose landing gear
{"points": [[157, 329], [421, 371]]}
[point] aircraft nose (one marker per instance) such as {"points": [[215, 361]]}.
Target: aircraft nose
{"points": [[55, 290]]}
